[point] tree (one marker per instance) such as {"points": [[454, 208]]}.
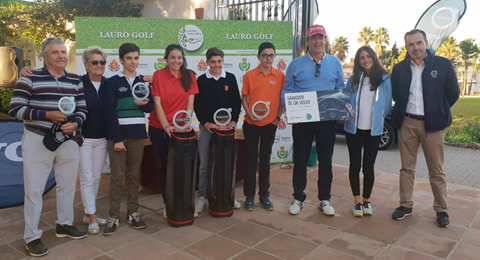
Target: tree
{"points": [[469, 52], [380, 38], [46, 18], [104, 8], [340, 48], [450, 50], [365, 36]]}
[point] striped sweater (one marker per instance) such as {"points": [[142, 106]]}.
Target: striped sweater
{"points": [[40, 92], [125, 120]]}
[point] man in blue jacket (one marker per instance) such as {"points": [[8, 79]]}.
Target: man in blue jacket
{"points": [[314, 71], [424, 87]]}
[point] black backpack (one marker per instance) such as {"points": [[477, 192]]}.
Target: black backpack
{"points": [[180, 182], [221, 172]]}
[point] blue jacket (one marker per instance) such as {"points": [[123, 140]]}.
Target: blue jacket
{"points": [[300, 75], [440, 91], [95, 125], [381, 106]]}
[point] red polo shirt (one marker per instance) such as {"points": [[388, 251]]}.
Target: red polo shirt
{"points": [[172, 95]]}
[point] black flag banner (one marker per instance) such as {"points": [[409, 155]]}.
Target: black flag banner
{"points": [[440, 20]]}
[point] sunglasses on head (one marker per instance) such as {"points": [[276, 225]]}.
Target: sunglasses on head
{"points": [[317, 69], [95, 62]]}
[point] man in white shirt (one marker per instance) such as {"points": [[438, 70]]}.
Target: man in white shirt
{"points": [[424, 87]]}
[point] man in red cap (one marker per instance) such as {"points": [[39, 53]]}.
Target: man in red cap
{"points": [[314, 71]]}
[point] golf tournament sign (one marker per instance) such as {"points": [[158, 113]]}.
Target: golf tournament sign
{"points": [[238, 39]]}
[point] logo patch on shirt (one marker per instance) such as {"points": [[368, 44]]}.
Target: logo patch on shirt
{"points": [[226, 87], [434, 74], [122, 89], [273, 82]]}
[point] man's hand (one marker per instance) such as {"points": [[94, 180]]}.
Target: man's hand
{"points": [[209, 126], [250, 115], [26, 71], [56, 117], [119, 147], [232, 125], [69, 128], [148, 78], [141, 103]]}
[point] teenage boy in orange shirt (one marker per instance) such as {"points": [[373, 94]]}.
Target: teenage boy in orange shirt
{"points": [[264, 83]]}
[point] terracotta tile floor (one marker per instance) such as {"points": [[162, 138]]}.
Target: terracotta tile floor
{"points": [[271, 235]]}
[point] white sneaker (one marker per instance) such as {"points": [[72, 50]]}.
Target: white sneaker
{"points": [[199, 206], [236, 204], [164, 214], [327, 208], [295, 207]]}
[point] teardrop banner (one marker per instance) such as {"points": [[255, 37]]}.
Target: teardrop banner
{"points": [[440, 20]]}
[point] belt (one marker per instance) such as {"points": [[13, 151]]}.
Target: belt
{"points": [[417, 117], [36, 131]]}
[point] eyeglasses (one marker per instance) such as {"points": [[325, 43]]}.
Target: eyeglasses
{"points": [[317, 69], [95, 62], [264, 55]]}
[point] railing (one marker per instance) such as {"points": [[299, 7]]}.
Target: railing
{"points": [[253, 10]]}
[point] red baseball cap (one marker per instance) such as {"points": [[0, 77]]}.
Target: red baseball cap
{"points": [[316, 29]]}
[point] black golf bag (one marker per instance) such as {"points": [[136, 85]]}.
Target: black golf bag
{"points": [[180, 183], [221, 172]]}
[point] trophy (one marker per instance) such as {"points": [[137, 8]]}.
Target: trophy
{"points": [[222, 117], [261, 109], [140, 91], [66, 105], [182, 120]]}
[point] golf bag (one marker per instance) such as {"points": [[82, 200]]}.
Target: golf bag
{"points": [[221, 172], [180, 181]]}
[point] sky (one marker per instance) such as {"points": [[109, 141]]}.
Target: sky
{"points": [[347, 17]]}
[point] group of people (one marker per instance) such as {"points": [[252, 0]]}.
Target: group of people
{"points": [[111, 120]]}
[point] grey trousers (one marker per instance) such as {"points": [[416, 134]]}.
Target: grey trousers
{"points": [[203, 149], [37, 165]]}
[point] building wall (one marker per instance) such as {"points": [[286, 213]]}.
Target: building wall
{"points": [[179, 9]]}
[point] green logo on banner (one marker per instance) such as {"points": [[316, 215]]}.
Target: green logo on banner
{"points": [[282, 154], [244, 65], [160, 64]]}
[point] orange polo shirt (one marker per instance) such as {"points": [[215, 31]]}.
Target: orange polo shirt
{"points": [[260, 87]]}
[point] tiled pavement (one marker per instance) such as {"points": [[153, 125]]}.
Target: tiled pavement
{"points": [[272, 235]]}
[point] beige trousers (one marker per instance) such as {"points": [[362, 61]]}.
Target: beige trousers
{"points": [[411, 134]]}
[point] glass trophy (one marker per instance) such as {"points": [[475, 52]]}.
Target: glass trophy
{"points": [[182, 120], [261, 109], [222, 117], [66, 105], [140, 91]]}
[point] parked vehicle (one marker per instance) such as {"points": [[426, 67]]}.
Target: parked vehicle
{"points": [[389, 135]]}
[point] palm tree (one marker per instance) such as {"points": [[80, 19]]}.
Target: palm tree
{"points": [[469, 52], [381, 37], [340, 48], [365, 36], [449, 49]]}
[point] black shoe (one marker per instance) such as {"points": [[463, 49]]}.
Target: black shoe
{"points": [[442, 219], [36, 248], [401, 212], [135, 220], [69, 231], [111, 226]]}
